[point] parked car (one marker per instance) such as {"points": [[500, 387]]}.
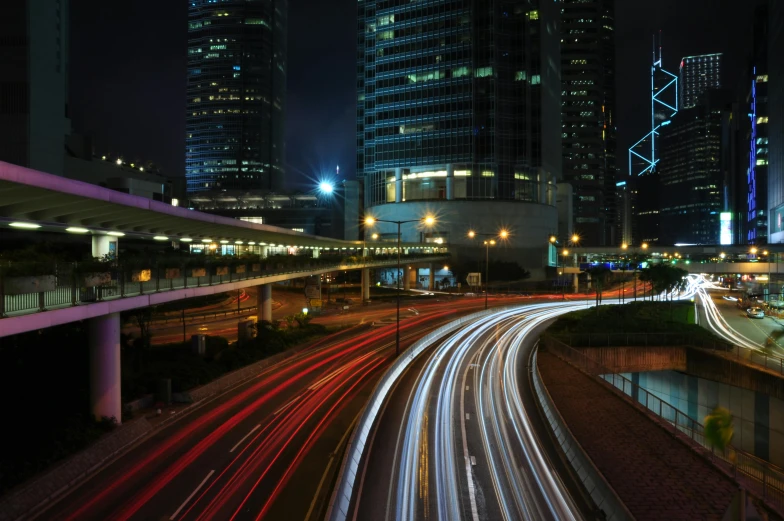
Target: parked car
{"points": [[755, 313]]}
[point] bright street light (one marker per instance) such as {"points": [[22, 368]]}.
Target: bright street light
{"points": [[374, 236], [503, 234], [575, 238], [326, 187], [471, 234]]}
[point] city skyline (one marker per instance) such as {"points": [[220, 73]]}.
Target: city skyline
{"points": [[321, 98]]}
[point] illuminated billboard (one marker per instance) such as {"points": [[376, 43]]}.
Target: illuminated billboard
{"points": [[725, 228]]}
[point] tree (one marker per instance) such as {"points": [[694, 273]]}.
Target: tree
{"points": [[719, 428], [599, 274]]}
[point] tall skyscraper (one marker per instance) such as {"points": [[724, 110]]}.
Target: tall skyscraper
{"points": [[690, 175], [34, 83], [644, 155], [698, 74], [459, 110], [589, 137], [236, 95], [757, 137], [775, 120]]}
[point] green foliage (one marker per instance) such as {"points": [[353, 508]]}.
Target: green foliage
{"points": [[634, 317], [719, 428]]}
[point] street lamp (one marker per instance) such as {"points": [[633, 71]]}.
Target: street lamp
{"points": [[502, 234], [428, 220], [574, 241]]}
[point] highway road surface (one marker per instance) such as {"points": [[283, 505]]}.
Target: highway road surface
{"points": [[459, 437], [260, 451]]}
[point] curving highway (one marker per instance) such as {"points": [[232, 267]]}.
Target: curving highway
{"points": [[455, 439]]}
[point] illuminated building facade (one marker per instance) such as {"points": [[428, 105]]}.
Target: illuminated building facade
{"points": [[775, 122], [236, 95], [690, 175], [459, 112], [698, 74], [757, 138], [644, 155], [589, 134]]}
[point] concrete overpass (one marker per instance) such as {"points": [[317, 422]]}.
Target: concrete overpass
{"points": [[36, 201]]}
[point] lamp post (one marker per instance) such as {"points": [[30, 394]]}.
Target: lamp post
{"points": [[428, 221], [644, 246], [573, 240], [502, 234]]}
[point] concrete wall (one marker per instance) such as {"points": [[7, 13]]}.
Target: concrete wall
{"points": [[637, 359], [759, 418]]}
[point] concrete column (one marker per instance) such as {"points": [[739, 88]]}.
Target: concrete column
{"points": [[588, 277], [104, 342], [431, 282], [366, 284], [105, 245], [316, 252], [406, 278], [263, 252], [450, 182], [576, 281], [398, 185], [265, 302]]}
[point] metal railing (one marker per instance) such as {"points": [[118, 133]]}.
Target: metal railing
{"points": [[760, 358], [766, 478], [65, 284]]}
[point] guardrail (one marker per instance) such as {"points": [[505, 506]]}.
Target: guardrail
{"points": [[603, 495], [66, 286], [769, 361], [768, 479], [341, 497]]}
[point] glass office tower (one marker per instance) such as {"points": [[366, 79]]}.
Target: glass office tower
{"points": [[698, 74], [589, 137], [452, 100], [236, 95]]}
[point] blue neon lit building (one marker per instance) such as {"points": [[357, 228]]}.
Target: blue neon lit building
{"points": [[644, 154], [236, 95]]}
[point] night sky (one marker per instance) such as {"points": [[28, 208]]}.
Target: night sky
{"points": [[128, 74]]}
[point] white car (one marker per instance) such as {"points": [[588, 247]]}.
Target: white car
{"points": [[755, 313], [730, 298]]}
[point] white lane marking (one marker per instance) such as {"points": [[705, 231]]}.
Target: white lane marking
{"points": [[468, 460], [192, 494], [468, 416], [244, 438], [288, 404]]}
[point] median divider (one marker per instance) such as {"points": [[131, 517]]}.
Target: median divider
{"points": [[341, 497]]}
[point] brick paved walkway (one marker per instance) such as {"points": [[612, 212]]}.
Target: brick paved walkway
{"points": [[655, 475]]}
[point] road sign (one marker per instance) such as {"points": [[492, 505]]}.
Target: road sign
{"points": [[315, 302], [474, 279]]}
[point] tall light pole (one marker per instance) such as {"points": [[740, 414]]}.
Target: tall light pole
{"points": [[574, 241], [636, 259], [428, 221], [502, 234]]}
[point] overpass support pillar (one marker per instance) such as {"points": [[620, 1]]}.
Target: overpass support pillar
{"points": [[576, 281], [588, 278], [104, 340], [265, 302], [431, 281], [406, 278], [365, 284]]}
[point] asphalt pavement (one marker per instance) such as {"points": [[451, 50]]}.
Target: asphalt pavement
{"points": [[756, 330], [265, 449], [458, 437]]}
